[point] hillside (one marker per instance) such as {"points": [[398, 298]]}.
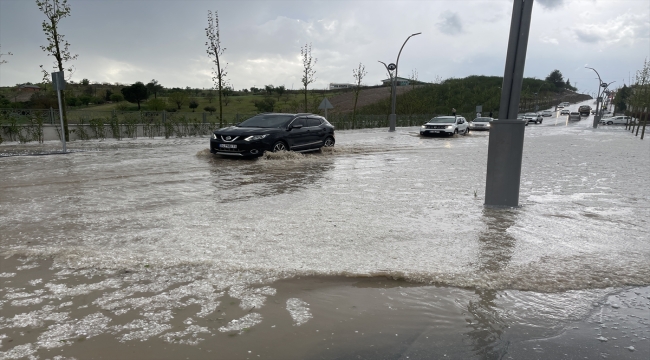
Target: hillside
{"points": [[344, 103]]}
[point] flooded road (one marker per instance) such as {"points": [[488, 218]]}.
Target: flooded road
{"points": [[157, 244]]}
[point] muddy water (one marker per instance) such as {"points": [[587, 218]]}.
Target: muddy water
{"points": [[160, 248]]}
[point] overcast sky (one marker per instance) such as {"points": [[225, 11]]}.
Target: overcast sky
{"points": [[138, 40]]}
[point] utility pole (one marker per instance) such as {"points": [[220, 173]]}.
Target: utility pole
{"points": [[506, 144]]}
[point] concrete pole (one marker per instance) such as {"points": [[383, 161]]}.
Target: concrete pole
{"points": [[506, 144]]}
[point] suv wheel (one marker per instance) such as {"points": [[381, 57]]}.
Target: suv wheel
{"points": [[610, 123], [280, 146]]}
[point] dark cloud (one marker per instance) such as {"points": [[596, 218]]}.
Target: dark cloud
{"points": [[551, 4], [450, 23]]}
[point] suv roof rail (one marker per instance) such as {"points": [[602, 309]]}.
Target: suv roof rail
{"points": [[304, 114]]}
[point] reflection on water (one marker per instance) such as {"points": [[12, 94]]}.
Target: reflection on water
{"points": [[242, 179], [495, 251]]}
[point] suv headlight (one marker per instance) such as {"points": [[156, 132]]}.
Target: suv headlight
{"points": [[423, 127], [214, 136], [256, 137], [449, 126]]}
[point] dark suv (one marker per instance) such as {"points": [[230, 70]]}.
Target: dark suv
{"points": [[273, 132]]}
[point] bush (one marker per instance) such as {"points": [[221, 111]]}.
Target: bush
{"points": [[193, 105], [265, 105], [210, 109], [117, 97]]}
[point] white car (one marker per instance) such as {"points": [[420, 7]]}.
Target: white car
{"points": [[618, 120], [480, 123], [533, 117], [547, 113], [445, 125], [565, 112]]}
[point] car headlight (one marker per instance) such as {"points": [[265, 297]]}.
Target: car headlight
{"points": [[488, 125], [423, 127], [449, 126], [256, 137], [214, 136]]}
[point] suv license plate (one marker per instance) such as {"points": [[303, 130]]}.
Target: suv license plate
{"points": [[227, 146]]}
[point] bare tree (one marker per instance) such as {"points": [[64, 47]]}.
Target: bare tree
{"points": [[54, 11], [309, 73], [414, 77], [4, 61], [215, 51], [358, 73]]}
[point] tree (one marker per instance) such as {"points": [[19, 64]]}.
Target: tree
{"points": [[567, 85], [358, 73], [193, 104], [4, 61], [215, 51], [85, 82], [210, 109], [154, 87], [57, 46], [280, 90], [117, 97], [107, 95], [622, 96], [556, 78], [156, 104], [210, 96], [267, 104], [308, 62], [135, 93], [269, 89], [179, 98], [227, 93]]}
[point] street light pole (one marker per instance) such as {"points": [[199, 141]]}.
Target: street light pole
{"points": [[393, 102], [600, 83]]}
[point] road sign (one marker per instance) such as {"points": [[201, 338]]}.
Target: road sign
{"points": [[392, 66], [324, 105], [58, 80], [479, 108]]}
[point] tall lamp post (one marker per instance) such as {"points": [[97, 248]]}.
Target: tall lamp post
{"points": [[598, 99], [393, 67]]}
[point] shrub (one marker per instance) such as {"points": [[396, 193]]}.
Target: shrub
{"points": [[265, 105], [210, 109], [117, 97]]}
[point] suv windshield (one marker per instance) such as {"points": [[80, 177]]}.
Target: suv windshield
{"points": [[267, 121], [442, 120]]}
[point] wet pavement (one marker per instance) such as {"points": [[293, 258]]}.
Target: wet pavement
{"points": [[155, 248]]}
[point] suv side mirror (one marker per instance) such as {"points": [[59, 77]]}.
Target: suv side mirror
{"points": [[298, 126]]}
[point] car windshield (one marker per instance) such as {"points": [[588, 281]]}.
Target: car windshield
{"points": [[482, 119], [267, 121], [531, 114], [449, 120]]}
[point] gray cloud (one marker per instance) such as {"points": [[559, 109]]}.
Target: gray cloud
{"points": [[587, 36], [551, 4], [450, 23]]}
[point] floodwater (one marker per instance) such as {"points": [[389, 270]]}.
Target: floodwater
{"points": [[378, 249]]}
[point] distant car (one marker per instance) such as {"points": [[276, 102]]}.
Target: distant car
{"points": [[273, 132], [521, 117], [445, 125], [565, 112], [618, 120], [584, 110], [561, 105], [481, 123], [547, 113], [574, 116], [533, 117]]}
